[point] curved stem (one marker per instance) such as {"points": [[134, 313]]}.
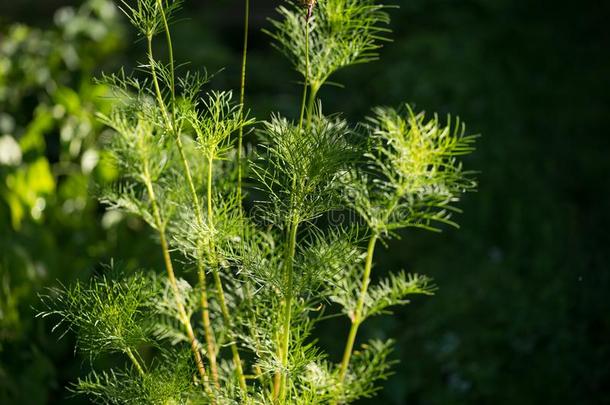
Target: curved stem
{"points": [[184, 318], [356, 319], [153, 72], [242, 91], [207, 326], [280, 379], [306, 83], [172, 86], [135, 361], [312, 98], [170, 123], [219, 289], [288, 304]]}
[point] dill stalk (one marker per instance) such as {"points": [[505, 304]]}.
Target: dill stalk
{"points": [[172, 277], [356, 319]]}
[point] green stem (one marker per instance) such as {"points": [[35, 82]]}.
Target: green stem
{"points": [[306, 83], [280, 379], [170, 47], [242, 92], [217, 280], [287, 317], [153, 72], [312, 98], [170, 123], [356, 320], [210, 341], [135, 361], [209, 191], [159, 224], [207, 325]]}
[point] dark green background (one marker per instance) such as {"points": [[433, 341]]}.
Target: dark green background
{"points": [[522, 315]]}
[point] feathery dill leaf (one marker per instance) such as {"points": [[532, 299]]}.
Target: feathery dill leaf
{"points": [[413, 177], [341, 33], [108, 314], [293, 260]]}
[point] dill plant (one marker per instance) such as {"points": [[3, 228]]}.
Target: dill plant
{"points": [[239, 327]]}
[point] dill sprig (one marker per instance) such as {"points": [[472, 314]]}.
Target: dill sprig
{"points": [[242, 328]]}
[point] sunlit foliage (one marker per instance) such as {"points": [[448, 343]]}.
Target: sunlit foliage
{"points": [[240, 329]]}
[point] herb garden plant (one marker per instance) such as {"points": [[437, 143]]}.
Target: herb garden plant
{"points": [[253, 262]]}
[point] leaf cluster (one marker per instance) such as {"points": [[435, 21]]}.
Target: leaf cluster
{"points": [[109, 315], [169, 381], [413, 176], [145, 15], [301, 169], [370, 365], [338, 34]]}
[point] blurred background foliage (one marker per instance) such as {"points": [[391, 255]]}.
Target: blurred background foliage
{"points": [[51, 230], [523, 310]]}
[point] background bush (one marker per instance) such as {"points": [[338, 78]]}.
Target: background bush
{"points": [[522, 310]]}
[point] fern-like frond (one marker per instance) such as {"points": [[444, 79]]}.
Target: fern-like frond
{"points": [[301, 169], [168, 381], [218, 119], [145, 15], [323, 257], [414, 176], [370, 364], [168, 320], [341, 33], [108, 314], [393, 291]]}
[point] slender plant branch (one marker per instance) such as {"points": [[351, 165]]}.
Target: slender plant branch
{"points": [[172, 278], [219, 289], [312, 98], [217, 279], [170, 48], [306, 83], [356, 319], [207, 326], [366, 279], [288, 305], [284, 337], [170, 123], [135, 361], [279, 386], [153, 72], [242, 92]]}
